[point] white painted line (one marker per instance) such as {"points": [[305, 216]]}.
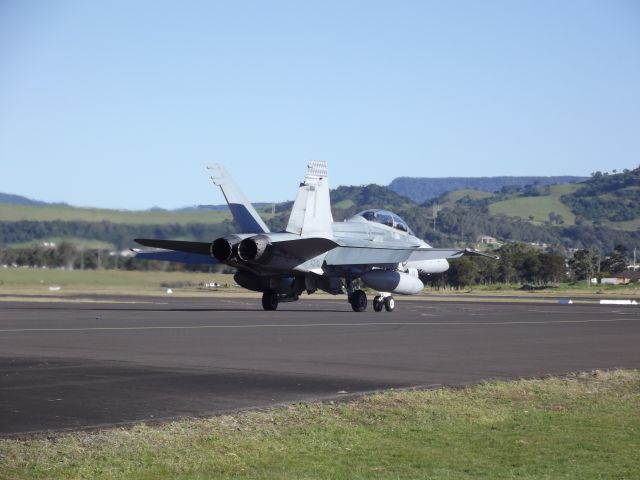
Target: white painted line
{"points": [[618, 302], [312, 325]]}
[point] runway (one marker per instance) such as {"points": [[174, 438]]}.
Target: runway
{"points": [[83, 365]]}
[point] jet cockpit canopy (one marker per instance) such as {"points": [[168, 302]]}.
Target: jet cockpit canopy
{"points": [[386, 218]]}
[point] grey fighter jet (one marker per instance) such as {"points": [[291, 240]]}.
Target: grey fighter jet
{"points": [[313, 252]]}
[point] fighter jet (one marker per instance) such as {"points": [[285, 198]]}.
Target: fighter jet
{"points": [[376, 247]]}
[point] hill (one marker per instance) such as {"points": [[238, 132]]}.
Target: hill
{"points": [[422, 189], [539, 208], [608, 198], [11, 199], [48, 212], [604, 199], [565, 216]]}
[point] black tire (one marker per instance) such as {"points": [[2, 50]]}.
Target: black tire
{"points": [[389, 304], [270, 300], [378, 303], [358, 301]]}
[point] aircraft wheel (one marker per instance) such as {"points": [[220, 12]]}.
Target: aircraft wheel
{"points": [[389, 304], [378, 302], [358, 301], [270, 300]]}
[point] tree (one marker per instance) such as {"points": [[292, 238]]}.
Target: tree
{"points": [[552, 268], [584, 264], [462, 272], [617, 261], [65, 255]]}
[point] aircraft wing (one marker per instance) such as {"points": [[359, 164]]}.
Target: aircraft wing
{"points": [[350, 255], [448, 253]]}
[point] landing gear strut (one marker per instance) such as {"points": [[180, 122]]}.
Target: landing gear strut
{"points": [[270, 300]]}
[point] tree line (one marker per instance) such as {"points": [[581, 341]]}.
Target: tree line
{"points": [[120, 235], [522, 264], [518, 263]]}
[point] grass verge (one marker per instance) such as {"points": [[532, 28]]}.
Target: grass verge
{"points": [[32, 281], [580, 426], [27, 281]]}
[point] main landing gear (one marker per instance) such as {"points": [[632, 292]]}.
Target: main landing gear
{"points": [[269, 300], [384, 300], [358, 300]]}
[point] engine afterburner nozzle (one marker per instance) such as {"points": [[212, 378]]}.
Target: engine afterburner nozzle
{"points": [[255, 249], [225, 248]]}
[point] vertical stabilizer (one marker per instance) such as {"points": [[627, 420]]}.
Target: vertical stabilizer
{"points": [[311, 212], [243, 212]]}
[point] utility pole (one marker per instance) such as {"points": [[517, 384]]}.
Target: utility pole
{"points": [[435, 214]]}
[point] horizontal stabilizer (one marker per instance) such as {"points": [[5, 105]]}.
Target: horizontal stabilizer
{"points": [[305, 248], [173, 256], [201, 248]]}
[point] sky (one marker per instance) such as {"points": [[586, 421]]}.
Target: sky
{"points": [[122, 104]]}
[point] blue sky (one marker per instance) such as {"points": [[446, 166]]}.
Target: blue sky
{"points": [[122, 104]]}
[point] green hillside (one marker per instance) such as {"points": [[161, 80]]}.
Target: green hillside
{"points": [[629, 226], [15, 213], [598, 213], [538, 207], [608, 197], [449, 199]]}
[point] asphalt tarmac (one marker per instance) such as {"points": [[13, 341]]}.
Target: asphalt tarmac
{"points": [[90, 364]]}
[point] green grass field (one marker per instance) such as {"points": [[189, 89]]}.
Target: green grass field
{"points": [[584, 426], [539, 207], [76, 242], [449, 199], [23, 281], [28, 281], [629, 226], [13, 213], [344, 204]]}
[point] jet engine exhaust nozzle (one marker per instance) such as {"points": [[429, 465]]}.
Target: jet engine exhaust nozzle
{"points": [[255, 249], [222, 249]]}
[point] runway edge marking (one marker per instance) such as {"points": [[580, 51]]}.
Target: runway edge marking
{"points": [[312, 325]]}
